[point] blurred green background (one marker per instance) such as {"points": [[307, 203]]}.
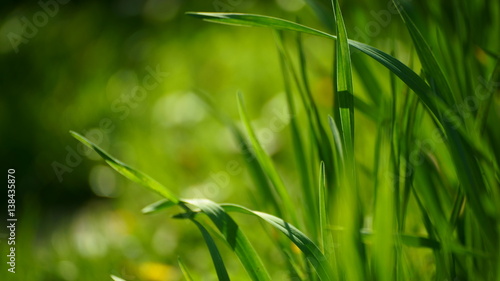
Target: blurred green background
{"points": [[77, 65]]}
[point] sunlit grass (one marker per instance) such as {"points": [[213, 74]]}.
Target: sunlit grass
{"points": [[427, 207]]}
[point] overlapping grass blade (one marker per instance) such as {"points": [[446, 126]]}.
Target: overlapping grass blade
{"points": [[344, 90], [226, 225], [302, 156], [257, 173], [311, 251], [370, 82], [429, 62], [347, 203], [407, 75], [321, 10], [420, 242], [220, 268], [234, 237], [324, 146], [128, 172], [466, 165], [266, 163], [116, 278]]}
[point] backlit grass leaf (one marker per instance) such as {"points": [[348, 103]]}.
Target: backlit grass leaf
{"points": [[158, 206], [128, 172], [266, 162], [116, 278], [302, 155], [322, 210], [311, 251], [234, 237], [255, 169], [344, 89], [184, 270], [220, 268]]}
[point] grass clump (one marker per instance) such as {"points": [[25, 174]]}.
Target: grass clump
{"points": [[431, 190]]}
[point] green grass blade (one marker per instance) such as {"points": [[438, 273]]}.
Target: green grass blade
{"points": [[347, 202], [234, 237], [184, 270], [158, 206], [255, 169], [458, 207], [429, 243], [322, 210], [266, 163], [344, 90], [301, 154], [311, 251], [370, 81], [419, 242], [482, 114], [365, 108], [322, 11], [337, 140], [220, 268], [116, 278], [251, 20], [324, 146], [408, 240], [384, 215], [128, 172]]}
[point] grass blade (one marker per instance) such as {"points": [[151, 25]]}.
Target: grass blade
{"points": [[266, 163], [344, 90], [419, 242], [408, 240], [184, 270], [234, 237], [220, 268], [324, 145], [384, 216], [337, 140], [311, 251], [370, 81], [347, 203], [256, 21], [128, 172], [426, 56], [301, 155], [158, 206], [256, 170], [323, 220]]}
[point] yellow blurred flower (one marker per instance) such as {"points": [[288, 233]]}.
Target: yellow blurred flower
{"points": [[154, 271]]}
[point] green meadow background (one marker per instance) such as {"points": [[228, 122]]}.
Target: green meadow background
{"points": [[133, 76]]}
